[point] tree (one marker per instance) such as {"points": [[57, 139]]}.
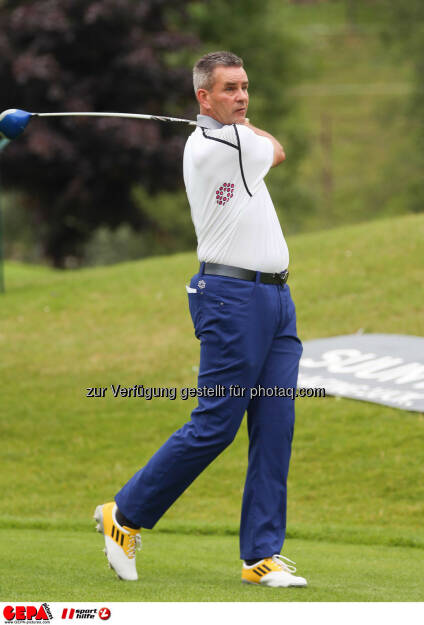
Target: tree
{"points": [[405, 32], [77, 174]]}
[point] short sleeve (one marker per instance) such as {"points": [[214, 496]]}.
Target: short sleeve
{"points": [[257, 155]]}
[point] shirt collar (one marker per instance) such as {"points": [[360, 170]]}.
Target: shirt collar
{"points": [[208, 122]]}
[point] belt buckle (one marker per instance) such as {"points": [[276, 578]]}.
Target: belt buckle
{"points": [[282, 276]]}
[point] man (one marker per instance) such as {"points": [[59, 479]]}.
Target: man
{"points": [[245, 319]]}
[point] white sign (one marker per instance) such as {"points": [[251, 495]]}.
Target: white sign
{"points": [[381, 368]]}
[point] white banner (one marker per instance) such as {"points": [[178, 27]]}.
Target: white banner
{"points": [[380, 368]]}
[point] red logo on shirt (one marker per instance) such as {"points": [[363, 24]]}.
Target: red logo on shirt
{"points": [[224, 193]]}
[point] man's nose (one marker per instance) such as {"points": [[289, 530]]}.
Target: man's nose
{"points": [[242, 95]]}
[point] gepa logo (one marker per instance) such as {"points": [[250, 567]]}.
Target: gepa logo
{"points": [[27, 613]]}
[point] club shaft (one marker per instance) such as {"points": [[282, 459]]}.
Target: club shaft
{"points": [[126, 115]]}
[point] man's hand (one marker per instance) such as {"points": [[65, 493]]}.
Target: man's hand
{"points": [[279, 155]]}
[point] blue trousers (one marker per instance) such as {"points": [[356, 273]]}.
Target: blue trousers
{"points": [[248, 337]]}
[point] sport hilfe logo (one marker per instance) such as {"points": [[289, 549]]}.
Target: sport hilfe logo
{"points": [[89, 613], [72, 613], [27, 613], [224, 193]]}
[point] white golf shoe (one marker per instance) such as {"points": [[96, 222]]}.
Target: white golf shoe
{"points": [[120, 542], [273, 572]]}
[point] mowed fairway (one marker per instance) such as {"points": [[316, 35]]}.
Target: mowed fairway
{"points": [[356, 484], [70, 566]]}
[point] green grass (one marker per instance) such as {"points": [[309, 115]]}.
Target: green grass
{"points": [[70, 566], [356, 478]]}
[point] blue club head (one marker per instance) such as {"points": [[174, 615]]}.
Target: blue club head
{"points": [[13, 122]]}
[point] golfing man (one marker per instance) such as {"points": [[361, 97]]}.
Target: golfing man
{"points": [[245, 319]]}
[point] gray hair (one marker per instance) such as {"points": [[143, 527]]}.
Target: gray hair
{"points": [[203, 70]]}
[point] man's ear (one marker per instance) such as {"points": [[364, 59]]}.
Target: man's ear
{"points": [[203, 99]]}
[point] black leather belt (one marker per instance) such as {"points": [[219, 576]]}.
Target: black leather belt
{"points": [[216, 269]]}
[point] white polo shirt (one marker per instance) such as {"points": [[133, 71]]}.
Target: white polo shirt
{"points": [[232, 211]]}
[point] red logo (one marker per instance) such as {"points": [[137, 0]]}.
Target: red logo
{"points": [[104, 614], [66, 614], [224, 193], [25, 613]]}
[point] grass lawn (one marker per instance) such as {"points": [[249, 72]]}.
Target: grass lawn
{"points": [[70, 566], [356, 483]]}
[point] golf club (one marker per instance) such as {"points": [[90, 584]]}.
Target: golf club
{"points": [[14, 121]]}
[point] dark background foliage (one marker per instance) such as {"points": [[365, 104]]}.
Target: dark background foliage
{"points": [[74, 55], [86, 185]]}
